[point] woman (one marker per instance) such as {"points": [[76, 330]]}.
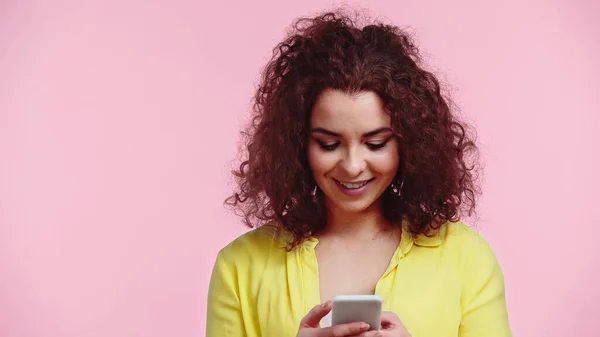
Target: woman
{"points": [[355, 176]]}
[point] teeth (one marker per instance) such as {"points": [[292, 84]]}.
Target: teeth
{"points": [[353, 186]]}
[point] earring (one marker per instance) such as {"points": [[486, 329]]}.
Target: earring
{"points": [[395, 189], [313, 193]]}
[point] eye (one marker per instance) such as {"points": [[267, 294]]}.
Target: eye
{"points": [[328, 147], [376, 146]]}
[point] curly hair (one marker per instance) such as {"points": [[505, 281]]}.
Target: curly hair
{"points": [[437, 171]]}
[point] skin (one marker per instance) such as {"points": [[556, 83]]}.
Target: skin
{"points": [[351, 141], [309, 326]]}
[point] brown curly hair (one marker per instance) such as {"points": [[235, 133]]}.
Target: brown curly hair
{"points": [[437, 156]]}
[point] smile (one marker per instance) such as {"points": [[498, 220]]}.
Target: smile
{"points": [[353, 188], [354, 185]]}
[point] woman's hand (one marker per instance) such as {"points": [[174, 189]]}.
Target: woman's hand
{"points": [[391, 326], [309, 326]]}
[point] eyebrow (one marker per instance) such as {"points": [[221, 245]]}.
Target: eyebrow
{"points": [[366, 134]]}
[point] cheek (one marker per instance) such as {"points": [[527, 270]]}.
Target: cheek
{"points": [[313, 160], [320, 162], [387, 164]]}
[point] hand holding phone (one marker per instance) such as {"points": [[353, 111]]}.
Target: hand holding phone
{"points": [[352, 315], [357, 308], [309, 326]]}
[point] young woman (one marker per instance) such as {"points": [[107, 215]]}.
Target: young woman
{"points": [[355, 176]]}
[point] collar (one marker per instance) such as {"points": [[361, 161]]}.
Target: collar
{"points": [[433, 239]]}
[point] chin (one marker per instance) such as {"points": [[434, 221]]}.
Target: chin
{"points": [[355, 206]]}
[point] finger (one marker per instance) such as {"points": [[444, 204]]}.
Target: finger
{"points": [[391, 321], [372, 333], [388, 318], [314, 316], [343, 330]]}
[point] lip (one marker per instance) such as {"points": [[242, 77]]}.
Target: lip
{"points": [[354, 182], [355, 192]]}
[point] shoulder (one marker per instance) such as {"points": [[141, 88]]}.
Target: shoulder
{"points": [[461, 237], [470, 250], [242, 262], [252, 245]]}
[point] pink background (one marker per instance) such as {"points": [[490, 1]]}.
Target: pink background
{"points": [[119, 119]]}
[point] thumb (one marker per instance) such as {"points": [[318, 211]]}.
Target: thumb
{"points": [[314, 316]]}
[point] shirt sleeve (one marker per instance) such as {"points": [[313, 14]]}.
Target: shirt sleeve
{"points": [[483, 300], [223, 315]]}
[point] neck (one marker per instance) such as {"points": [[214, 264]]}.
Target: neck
{"points": [[355, 225]]}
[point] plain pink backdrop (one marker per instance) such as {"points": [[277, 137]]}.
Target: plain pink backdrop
{"points": [[119, 119]]}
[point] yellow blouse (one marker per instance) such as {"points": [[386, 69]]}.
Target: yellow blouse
{"points": [[444, 286]]}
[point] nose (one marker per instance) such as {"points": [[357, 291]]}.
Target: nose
{"points": [[353, 163]]}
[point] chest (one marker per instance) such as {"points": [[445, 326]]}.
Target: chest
{"points": [[352, 270], [420, 293]]}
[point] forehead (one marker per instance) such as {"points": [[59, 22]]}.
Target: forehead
{"points": [[342, 112]]}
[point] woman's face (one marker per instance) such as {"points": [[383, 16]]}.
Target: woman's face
{"points": [[352, 152]]}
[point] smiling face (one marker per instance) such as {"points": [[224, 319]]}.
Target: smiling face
{"points": [[353, 153]]}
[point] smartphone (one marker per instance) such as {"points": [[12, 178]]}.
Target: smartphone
{"points": [[357, 308]]}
